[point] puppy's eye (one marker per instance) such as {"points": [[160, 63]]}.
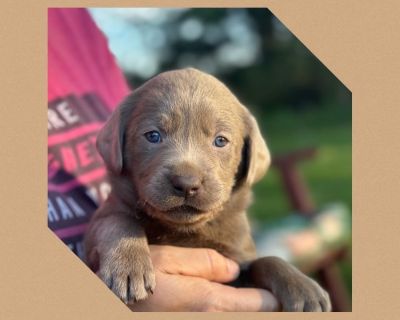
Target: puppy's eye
{"points": [[220, 141], [153, 136]]}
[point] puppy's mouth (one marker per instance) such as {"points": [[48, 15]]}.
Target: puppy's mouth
{"points": [[184, 215], [185, 209]]}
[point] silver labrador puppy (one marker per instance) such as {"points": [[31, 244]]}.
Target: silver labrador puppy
{"points": [[182, 154]]}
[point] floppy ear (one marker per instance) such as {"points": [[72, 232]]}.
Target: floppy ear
{"points": [[255, 154], [110, 140]]}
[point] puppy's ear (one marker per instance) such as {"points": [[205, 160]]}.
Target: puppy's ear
{"points": [[255, 154], [110, 140]]}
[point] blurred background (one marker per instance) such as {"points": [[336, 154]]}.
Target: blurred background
{"points": [[302, 208]]}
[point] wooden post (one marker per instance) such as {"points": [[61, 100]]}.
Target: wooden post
{"points": [[298, 193]]}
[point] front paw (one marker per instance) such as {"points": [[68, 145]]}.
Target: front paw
{"points": [[128, 271], [295, 291], [303, 294]]}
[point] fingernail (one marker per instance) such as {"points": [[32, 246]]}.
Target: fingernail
{"points": [[233, 267]]}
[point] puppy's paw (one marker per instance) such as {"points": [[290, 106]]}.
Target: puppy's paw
{"points": [[303, 294], [295, 291], [128, 271]]}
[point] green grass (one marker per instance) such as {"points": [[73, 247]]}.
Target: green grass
{"points": [[328, 175]]}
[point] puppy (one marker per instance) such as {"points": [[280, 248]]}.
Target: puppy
{"points": [[182, 153]]}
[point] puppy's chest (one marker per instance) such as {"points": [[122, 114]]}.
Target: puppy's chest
{"points": [[185, 239], [234, 246]]}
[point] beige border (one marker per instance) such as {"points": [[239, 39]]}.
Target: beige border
{"points": [[357, 40]]}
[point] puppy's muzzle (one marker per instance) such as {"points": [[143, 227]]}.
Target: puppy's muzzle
{"points": [[186, 185]]}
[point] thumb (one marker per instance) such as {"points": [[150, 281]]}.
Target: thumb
{"points": [[226, 298]]}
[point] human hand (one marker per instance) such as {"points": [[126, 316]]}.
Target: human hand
{"points": [[190, 279]]}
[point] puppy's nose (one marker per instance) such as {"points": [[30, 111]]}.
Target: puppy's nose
{"points": [[187, 186]]}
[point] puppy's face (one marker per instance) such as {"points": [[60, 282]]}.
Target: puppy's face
{"points": [[186, 144]]}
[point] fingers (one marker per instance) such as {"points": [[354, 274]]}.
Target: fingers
{"points": [[204, 263], [202, 295], [225, 298], [185, 293]]}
